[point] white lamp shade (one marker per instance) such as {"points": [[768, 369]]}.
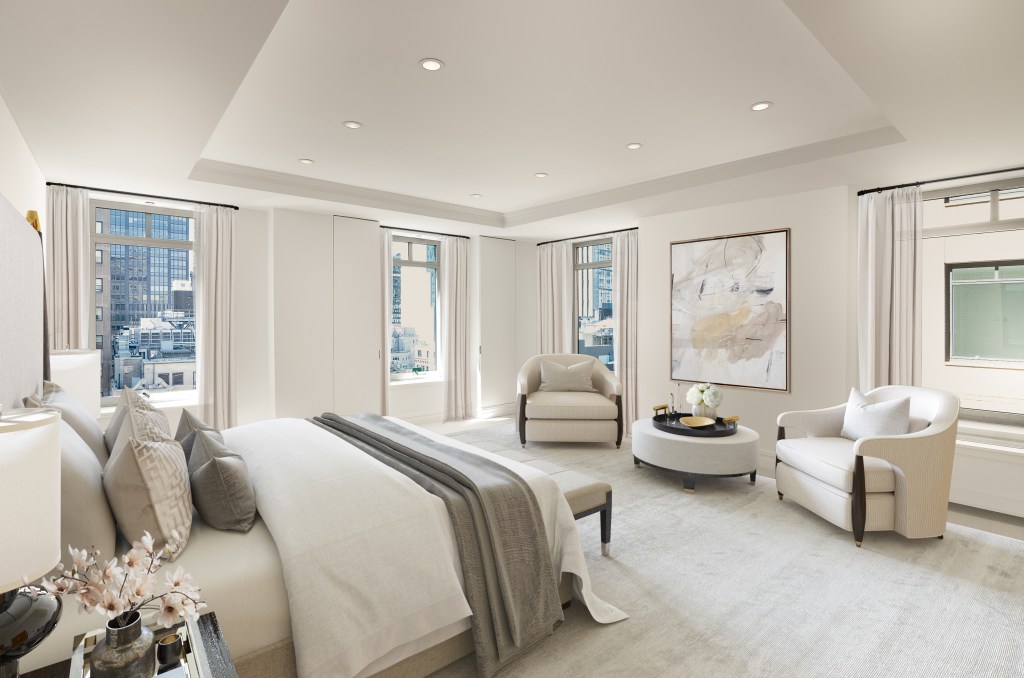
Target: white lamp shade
{"points": [[30, 495], [78, 373]]}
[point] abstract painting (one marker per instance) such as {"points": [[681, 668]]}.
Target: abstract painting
{"points": [[730, 310]]}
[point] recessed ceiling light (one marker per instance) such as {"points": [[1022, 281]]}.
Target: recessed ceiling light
{"points": [[476, 195], [150, 202], [540, 175], [761, 105], [432, 64], [353, 124], [306, 161], [634, 146]]}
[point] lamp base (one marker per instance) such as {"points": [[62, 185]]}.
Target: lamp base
{"points": [[27, 616]]}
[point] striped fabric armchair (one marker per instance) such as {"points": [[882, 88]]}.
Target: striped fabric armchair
{"points": [[897, 482]]}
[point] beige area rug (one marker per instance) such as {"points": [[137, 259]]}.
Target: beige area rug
{"points": [[729, 581]]}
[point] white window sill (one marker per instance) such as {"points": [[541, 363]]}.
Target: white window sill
{"points": [[1001, 435], [163, 401], [431, 378]]}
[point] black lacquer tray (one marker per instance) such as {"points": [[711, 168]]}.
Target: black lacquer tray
{"points": [[671, 424]]}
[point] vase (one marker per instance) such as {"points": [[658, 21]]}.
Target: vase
{"points": [[125, 652], [702, 410]]}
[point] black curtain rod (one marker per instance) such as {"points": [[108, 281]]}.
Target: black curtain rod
{"points": [[592, 235], [140, 195], [935, 181], [412, 230]]}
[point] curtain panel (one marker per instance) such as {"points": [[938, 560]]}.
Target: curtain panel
{"points": [[386, 289], [625, 283], [215, 315], [69, 270], [557, 312], [455, 353], [890, 256]]}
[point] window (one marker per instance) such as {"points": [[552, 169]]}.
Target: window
{"points": [[972, 318], [985, 311], [99, 341], [595, 329], [414, 319], [144, 295]]}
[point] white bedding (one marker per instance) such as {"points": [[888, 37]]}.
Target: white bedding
{"points": [[375, 575]]}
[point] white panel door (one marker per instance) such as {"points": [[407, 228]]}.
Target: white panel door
{"points": [[358, 319], [498, 366]]}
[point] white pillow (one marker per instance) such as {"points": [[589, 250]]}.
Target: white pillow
{"points": [[865, 419], [555, 377]]}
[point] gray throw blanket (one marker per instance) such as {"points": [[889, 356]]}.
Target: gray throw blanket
{"points": [[510, 581]]}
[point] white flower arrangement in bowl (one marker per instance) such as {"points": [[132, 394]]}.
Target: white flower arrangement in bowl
{"points": [[705, 399], [118, 590]]}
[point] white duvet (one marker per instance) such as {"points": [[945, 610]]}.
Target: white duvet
{"points": [[369, 557]]}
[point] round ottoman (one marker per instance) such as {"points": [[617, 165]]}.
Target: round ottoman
{"points": [[693, 456]]}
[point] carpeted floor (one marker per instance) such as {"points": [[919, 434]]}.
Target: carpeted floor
{"points": [[729, 581]]}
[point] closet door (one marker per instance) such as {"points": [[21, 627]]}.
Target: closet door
{"points": [[358, 319], [498, 366]]}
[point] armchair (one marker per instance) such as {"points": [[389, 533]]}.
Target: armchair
{"points": [[897, 482], [568, 416]]}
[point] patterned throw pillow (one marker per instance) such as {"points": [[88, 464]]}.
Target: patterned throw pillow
{"points": [[148, 489], [135, 418], [221, 488]]}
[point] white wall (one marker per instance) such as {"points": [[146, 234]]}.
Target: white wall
{"points": [[302, 255], [254, 383], [527, 321], [21, 182], [819, 303]]}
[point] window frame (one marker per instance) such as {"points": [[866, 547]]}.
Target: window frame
{"points": [[991, 363], [147, 240], [411, 240], [576, 266]]}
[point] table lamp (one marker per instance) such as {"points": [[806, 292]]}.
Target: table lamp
{"points": [[29, 529]]}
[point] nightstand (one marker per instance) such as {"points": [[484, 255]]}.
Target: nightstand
{"points": [[206, 653]]}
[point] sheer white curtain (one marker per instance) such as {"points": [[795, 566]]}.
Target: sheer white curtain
{"points": [[557, 313], [69, 268], [386, 282], [889, 309], [454, 297], [215, 315], [625, 284]]}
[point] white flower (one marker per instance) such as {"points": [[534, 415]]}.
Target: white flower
{"points": [[136, 559], [111, 574], [179, 579], [171, 610], [58, 586], [138, 588], [694, 395], [80, 559], [88, 598], [713, 397], [146, 543], [110, 605]]}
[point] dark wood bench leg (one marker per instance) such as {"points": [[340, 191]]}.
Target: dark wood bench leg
{"points": [[606, 526]]}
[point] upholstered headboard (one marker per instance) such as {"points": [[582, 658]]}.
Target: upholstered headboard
{"points": [[21, 307]]}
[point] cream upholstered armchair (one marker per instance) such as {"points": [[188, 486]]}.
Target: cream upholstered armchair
{"points": [[569, 416], [894, 482]]}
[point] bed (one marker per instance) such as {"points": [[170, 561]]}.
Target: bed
{"points": [[341, 538]]}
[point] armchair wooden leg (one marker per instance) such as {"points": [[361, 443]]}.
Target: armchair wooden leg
{"points": [[522, 419], [780, 495], [860, 501], [618, 422]]}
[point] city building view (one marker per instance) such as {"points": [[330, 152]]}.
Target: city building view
{"points": [[413, 306], [145, 319], [595, 332]]}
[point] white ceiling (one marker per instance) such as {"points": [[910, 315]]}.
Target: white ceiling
{"points": [[217, 101]]}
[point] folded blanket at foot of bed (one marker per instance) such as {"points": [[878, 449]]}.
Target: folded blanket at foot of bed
{"points": [[509, 579]]}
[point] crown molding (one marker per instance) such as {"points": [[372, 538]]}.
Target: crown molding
{"points": [[861, 141], [241, 176], [215, 171]]}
